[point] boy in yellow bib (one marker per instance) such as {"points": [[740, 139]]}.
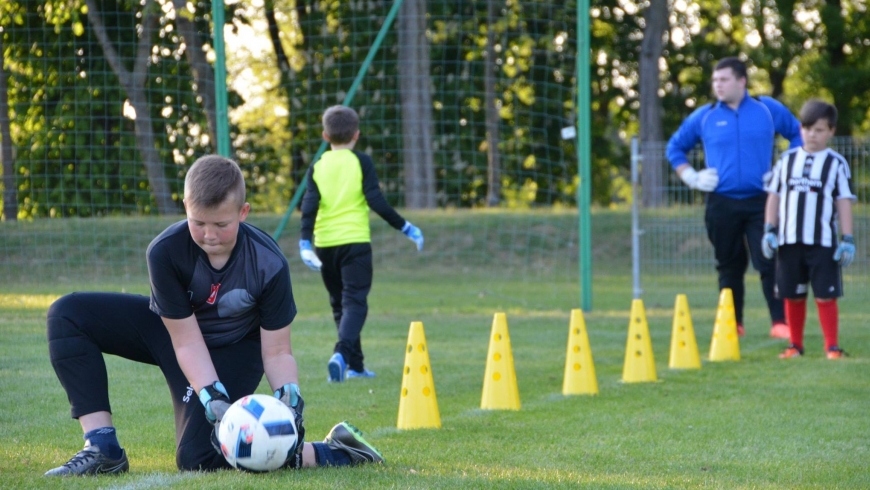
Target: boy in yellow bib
{"points": [[341, 188]]}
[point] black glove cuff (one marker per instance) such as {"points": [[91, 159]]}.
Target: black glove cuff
{"points": [[768, 228], [215, 394], [848, 239]]}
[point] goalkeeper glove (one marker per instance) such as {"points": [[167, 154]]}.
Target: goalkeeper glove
{"points": [[413, 233], [845, 251], [308, 255], [216, 401], [769, 242], [290, 396], [706, 180]]}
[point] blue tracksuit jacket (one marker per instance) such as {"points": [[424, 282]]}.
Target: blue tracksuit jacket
{"points": [[738, 144]]}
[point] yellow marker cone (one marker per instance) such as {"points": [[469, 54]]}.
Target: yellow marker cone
{"points": [[579, 369], [640, 365], [418, 408], [500, 380], [725, 346], [684, 347]]}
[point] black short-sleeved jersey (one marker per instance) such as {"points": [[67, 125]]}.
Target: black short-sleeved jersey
{"points": [[251, 291]]}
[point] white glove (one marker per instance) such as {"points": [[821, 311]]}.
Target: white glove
{"points": [[414, 234], [308, 256], [769, 242], [706, 180]]}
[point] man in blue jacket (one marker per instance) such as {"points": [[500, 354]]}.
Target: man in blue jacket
{"points": [[738, 134]]}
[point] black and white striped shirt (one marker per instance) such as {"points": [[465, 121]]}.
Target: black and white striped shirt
{"points": [[808, 185]]}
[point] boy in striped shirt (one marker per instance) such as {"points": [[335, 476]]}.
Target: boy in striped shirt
{"points": [[808, 191]]}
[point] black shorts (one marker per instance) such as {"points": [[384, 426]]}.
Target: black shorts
{"points": [[799, 264]]}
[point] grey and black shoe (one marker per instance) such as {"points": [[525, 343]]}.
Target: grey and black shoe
{"points": [[91, 461], [349, 439]]}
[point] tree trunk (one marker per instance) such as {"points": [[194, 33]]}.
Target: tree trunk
{"points": [[651, 112], [298, 166], [10, 191], [493, 194], [416, 97], [134, 85], [203, 73], [837, 78]]}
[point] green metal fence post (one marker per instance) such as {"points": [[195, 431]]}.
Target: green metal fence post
{"points": [[584, 162], [220, 80]]}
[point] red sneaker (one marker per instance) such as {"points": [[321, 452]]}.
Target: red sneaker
{"points": [[791, 351], [836, 353], [780, 330], [740, 330]]}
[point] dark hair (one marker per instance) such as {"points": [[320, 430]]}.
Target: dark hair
{"points": [[814, 110], [737, 66], [340, 123], [212, 180]]}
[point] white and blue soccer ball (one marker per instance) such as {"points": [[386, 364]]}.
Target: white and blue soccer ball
{"points": [[257, 432]]}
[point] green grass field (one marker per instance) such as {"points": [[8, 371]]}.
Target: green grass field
{"points": [[759, 423]]}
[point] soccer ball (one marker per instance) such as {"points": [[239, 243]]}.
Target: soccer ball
{"points": [[256, 433]]}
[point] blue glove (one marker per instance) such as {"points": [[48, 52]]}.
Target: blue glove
{"points": [[216, 401], [414, 234], [769, 242], [290, 396], [308, 255], [845, 251]]}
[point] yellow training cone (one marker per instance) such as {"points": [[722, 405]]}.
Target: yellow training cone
{"points": [[500, 380], [639, 364], [418, 408], [725, 346], [579, 369], [684, 348]]}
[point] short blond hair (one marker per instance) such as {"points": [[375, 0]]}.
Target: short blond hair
{"points": [[212, 180], [340, 123]]}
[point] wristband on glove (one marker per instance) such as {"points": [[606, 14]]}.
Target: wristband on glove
{"points": [[769, 228], [848, 239], [213, 392]]}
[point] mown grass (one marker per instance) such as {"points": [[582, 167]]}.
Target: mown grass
{"points": [[757, 423]]}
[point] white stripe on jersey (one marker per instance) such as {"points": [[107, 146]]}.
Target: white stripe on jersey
{"points": [[808, 185]]}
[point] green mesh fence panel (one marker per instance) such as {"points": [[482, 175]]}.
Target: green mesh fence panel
{"points": [[111, 103]]}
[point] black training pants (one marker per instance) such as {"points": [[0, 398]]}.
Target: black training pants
{"points": [[84, 326], [347, 275], [732, 225]]}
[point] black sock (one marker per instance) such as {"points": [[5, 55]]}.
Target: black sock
{"points": [[327, 456], [106, 439]]}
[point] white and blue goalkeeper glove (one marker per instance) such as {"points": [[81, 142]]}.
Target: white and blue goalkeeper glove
{"points": [[845, 251], [413, 233], [308, 255], [216, 401], [769, 242], [290, 396]]}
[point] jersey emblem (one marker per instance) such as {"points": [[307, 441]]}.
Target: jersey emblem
{"points": [[214, 292]]}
